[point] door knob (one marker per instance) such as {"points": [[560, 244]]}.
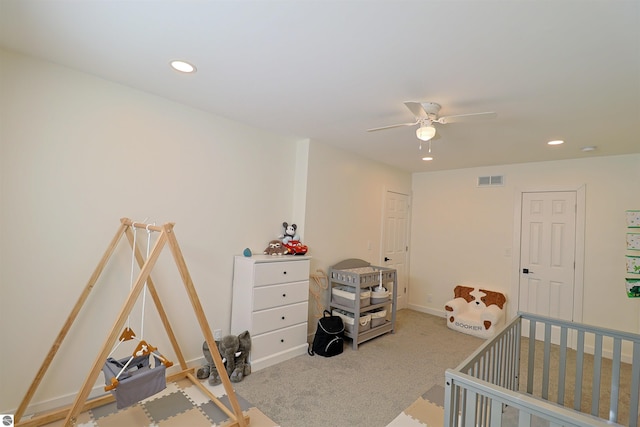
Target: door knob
{"points": [[526, 271], [387, 259]]}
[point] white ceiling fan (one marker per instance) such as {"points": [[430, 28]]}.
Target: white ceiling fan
{"points": [[426, 114]]}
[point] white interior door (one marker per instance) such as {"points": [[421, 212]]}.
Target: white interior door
{"points": [[547, 254], [395, 247]]}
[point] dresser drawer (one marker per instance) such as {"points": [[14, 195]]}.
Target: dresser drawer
{"points": [[269, 273], [281, 340], [279, 317], [279, 295]]}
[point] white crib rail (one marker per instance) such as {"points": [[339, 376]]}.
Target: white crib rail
{"points": [[480, 388]]}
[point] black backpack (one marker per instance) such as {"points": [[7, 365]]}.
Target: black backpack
{"points": [[328, 340]]}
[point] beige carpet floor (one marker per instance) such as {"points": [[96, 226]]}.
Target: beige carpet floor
{"points": [[366, 387]]}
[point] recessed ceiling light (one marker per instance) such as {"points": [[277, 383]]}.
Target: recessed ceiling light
{"points": [[183, 66], [589, 148], [556, 142], [427, 158]]}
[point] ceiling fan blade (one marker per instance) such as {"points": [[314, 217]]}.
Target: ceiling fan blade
{"points": [[416, 109], [393, 126], [466, 117]]}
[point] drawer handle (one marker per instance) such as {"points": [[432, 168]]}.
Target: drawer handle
{"points": [[282, 340], [284, 272], [282, 317], [284, 295]]}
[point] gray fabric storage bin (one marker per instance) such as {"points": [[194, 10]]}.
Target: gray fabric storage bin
{"points": [[346, 295], [378, 317]]}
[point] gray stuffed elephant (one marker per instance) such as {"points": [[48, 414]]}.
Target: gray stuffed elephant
{"points": [[234, 351]]}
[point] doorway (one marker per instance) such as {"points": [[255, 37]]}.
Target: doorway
{"points": [[549, 237], [395, 245]]}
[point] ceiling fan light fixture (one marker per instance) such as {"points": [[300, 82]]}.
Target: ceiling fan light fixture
{"points": [[427, 158], [425, 133]]}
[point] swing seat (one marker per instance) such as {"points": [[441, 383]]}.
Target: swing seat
{"points": [[137, 382]]}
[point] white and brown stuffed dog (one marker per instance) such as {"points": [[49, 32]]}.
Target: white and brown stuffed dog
{"points": [[475, 311]]}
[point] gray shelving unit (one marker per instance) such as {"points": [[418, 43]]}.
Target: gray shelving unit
{"points": [[360, 275]]}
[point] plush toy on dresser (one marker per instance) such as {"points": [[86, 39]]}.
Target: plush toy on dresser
{"points": [[234, 351], [291, 240], [289, 233], [276, 248]]}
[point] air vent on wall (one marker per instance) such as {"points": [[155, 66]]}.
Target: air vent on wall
{"points": [[490, 181]]}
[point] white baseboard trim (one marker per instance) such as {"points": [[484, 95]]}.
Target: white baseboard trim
{"points": [[428, 310]]}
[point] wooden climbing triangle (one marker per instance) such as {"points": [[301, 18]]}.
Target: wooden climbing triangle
{"points": [[166, 236]]}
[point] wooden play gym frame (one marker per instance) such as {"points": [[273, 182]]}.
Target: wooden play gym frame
{"points": [[81, 403]]}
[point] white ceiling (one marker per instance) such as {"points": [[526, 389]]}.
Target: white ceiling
{"points": [[329, 70]]}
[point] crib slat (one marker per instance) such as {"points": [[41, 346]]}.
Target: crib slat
{"points": [[500, 363], [451, 401], [480, 412], [491, 364], [563, 365], [524, 419], [597, 369], [518, 344], [496, 414], [505, 362], [485, 370], [577, 398], [509, 365], [463, 406], [470, 409], [615, 380], [635, 386], [510, 361], [532, 355], [546, 365], [497, 355]]}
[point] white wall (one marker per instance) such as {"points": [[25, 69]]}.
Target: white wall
{"points": [[345, 202], [462, 233], [77, 154]]}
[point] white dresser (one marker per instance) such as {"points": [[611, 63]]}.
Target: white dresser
{"points": [[270, 300]]}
